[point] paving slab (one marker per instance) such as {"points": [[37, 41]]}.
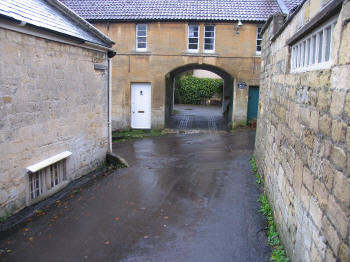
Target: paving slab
{"points": [[184, 198], [197, 117]]}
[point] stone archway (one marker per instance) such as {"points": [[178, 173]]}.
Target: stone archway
{"points": [[227, 103]]}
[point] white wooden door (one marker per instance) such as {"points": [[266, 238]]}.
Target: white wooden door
{"points": [[141, 105]]}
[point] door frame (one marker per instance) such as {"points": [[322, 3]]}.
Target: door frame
{"points": [[249, 88], [150, 104]]}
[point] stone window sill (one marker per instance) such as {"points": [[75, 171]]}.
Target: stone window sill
{"points": [[200, 54]]}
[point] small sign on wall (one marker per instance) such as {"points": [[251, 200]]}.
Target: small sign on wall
{"points": [[242, 85]]}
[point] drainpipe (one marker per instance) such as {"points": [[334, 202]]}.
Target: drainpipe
{"points": [[110, 105], [111, 54]]}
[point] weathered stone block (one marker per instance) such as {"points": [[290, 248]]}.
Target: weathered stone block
{"points": [[324, 124], [337, 105], [316, 212], [305, 197], [337, 216], [305, 115], [321, 193], [331, 235], [347, 105], [298, 176], [323, 100], [344, 252], [308, 179], [315, 254], [308, 138], [347, 173], [338, 131], [327, 148], [341, 77], [338, 157], [342, 189], [314, 120], [330, 256], [325, 77], [344, 56], [302, 95]]}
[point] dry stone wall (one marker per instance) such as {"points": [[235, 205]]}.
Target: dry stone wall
{"points": [[51, 100], [302, 145]]}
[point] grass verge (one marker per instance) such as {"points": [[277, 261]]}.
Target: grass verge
{"points": [[119, 136], [278, 252]]}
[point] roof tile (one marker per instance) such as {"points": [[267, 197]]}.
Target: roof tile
{"points": [[152, 10], [41, 14]]}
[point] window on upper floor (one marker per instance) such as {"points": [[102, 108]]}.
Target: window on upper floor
{"points": [[258, 40], [141, 37], [313, 52], [209, 38], [193, 38]]}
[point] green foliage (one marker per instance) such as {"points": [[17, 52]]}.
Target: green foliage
{"points": [[253, 164], [4, 218], [191, 90], [278, 252], [259, 181], [279, 255]]}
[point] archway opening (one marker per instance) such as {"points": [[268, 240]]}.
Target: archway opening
{"points": [[198, 96]]}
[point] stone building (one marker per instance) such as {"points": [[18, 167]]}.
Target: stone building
{"points": [[303, 134], [53, 100], [158, 39]]}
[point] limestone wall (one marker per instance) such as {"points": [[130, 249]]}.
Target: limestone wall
{"points": [[303, 141], [51, 100]]}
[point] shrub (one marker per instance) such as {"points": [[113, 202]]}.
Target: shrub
{"points": [[191, 90]]}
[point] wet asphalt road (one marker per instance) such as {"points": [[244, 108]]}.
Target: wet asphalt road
{"points": [[189, 198], [197, 117]]}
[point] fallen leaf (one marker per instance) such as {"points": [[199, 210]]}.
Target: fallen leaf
{"points": [[39, 212]]}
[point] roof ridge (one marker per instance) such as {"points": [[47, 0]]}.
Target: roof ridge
{"points": [[80, 21], [174, 10]]}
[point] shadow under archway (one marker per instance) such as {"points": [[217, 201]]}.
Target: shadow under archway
{"points": [[224, 121]]}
